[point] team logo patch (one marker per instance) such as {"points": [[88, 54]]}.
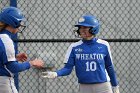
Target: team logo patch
{"points": [[79, 50], [81, 19]]}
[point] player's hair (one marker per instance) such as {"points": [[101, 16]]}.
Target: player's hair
{"points": [[2, 26]]}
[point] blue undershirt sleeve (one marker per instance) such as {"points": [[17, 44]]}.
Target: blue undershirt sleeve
{"points": [[110, 70], [69, 63], [65, 71], [15, 67]]}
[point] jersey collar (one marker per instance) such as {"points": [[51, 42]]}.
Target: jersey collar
{"points": [[89, 41], [7, 32]]}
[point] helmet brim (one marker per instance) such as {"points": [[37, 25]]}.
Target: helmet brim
{"points": [[87, 25]]}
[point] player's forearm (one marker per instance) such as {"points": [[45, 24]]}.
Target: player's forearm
{"points": [[15, 67], [66, 70], [112, 75], [63, 72]]}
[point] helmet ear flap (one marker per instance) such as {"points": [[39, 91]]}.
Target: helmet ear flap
{"points": [[91, 30], [94, 30]]}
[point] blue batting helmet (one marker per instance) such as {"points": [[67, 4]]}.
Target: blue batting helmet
{"points": [[89, 21], [11, 16]]}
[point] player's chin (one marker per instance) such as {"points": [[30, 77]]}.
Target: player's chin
{"points": [[84, 36]]}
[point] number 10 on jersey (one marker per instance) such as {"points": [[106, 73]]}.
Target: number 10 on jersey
{"points": [[91, 66]]}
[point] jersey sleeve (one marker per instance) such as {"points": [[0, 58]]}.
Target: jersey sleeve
{"points": [[15, 67], [69, 63], [110, 67]]}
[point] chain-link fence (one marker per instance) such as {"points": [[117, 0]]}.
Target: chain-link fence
{"points": [[50, 23]]}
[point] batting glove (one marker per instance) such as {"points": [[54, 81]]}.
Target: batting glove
{"points": [[115, 89], [49, 74]]}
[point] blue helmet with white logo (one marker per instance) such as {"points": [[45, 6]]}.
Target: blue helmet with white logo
{"points": [[11, 16], [89, 21]]}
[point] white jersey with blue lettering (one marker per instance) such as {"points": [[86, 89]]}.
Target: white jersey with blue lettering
{"points": [[92, 60]]}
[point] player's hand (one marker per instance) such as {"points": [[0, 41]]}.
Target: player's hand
{"points": [[37, 63], [49, 74], [21, 57], [115, 89]]}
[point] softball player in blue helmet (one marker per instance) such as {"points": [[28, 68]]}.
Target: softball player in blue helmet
{"points": [[92, 60], [10, 21]]}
